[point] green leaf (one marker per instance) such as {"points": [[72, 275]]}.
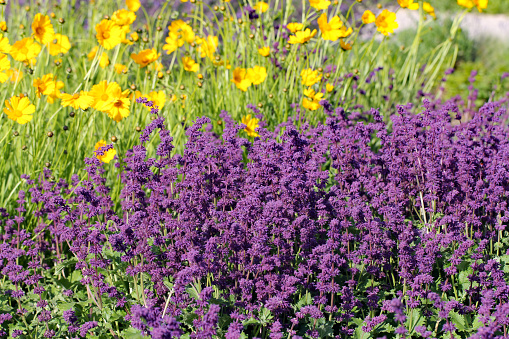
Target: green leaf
{"points": [[65, 306], [417, 319], [458, 320], [251, 321], [131, 333], [64, 264]]}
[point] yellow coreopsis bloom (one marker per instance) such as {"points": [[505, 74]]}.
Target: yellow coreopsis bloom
{"points": [[104, 60], [108, 155], [172, 43], [158, 98], [183, 31], [310, 77], [123, 17], [190, 65], [59, 44], [14, 75], [314, 103], [103, 93], [410, 4], [145, 57], [426, 6], [50, 98], [45, 85], [208, 46], [264, 51], [119, 68], [118, 108], [19, 109], [368, 17], [386, 22], [42, 29], [81, 100], [3, 26], [240, 79], [344, 45], [329, 88], [334, 29], [319, 4], [5, 64], [294, 27], [261, 7], [301, 37], [256, 74], [5, 47], [480, 4], [109, 34], [251, 124], [25, 50], [133, 5]]}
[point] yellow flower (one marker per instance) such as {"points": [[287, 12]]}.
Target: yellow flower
{"points": [[261, 7], [45, 85], [42, 29], [103, 93], [208, 46], [334, 29], [104, 61], [158, 98], [50, 98], [25, 50], [314, 103], [480, 4], [190, 65], [294, 27], [108, 34], [222, 63], [118, 108], [386, 22], [183, 31], [264, 51], [119, 68], [172, 43], [123, 17], [319, 4], [240, 79], [301, 37], [426, 6], [5, 64], [344, 45], [133, 5], [134, 36], [310, 77], [251, 125], [3, 26], [5, 47], [329, 88], [368, 17], [14, 75], [145, 57], [108, 155], [410, 4], [256, 75], [81, 100], [19, 109], [59, 44]]}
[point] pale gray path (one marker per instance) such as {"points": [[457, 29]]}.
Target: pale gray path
{"points": [[476, 25]]}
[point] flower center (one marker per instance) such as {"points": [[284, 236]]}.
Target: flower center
{"points": [[75, 96], [105, 97], [39, 31], [106, 35], [118, 103], [24, 50], [17, 113]]}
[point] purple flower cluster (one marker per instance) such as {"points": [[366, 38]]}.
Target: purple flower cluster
{"points": [[303, 232]]}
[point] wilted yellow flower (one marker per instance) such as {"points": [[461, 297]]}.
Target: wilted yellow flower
{"points": [[310, 77], [256, 74], [319, 4], [314, 103], [410, 4], [104, 61], [5, 64], [368, 17], [3, 26], [133, 5], [480, 4], [294, 27], [264, 51], [25, 50], [108, 34], [45, 85], [106, 156], [81, 100], [19, 109], [301, 37], [42, 29], [251, 124], [190, 65], [5, 47], [261, 7], [119, 68], [59, 44], [240, 79], [334, 29], [145, 57], [426, 6], [386, 22], [208, 46]]}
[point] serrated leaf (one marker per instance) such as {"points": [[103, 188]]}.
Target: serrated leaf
{"points": [[417, 319], [251, 321], [67, 263], [458, 320]]}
